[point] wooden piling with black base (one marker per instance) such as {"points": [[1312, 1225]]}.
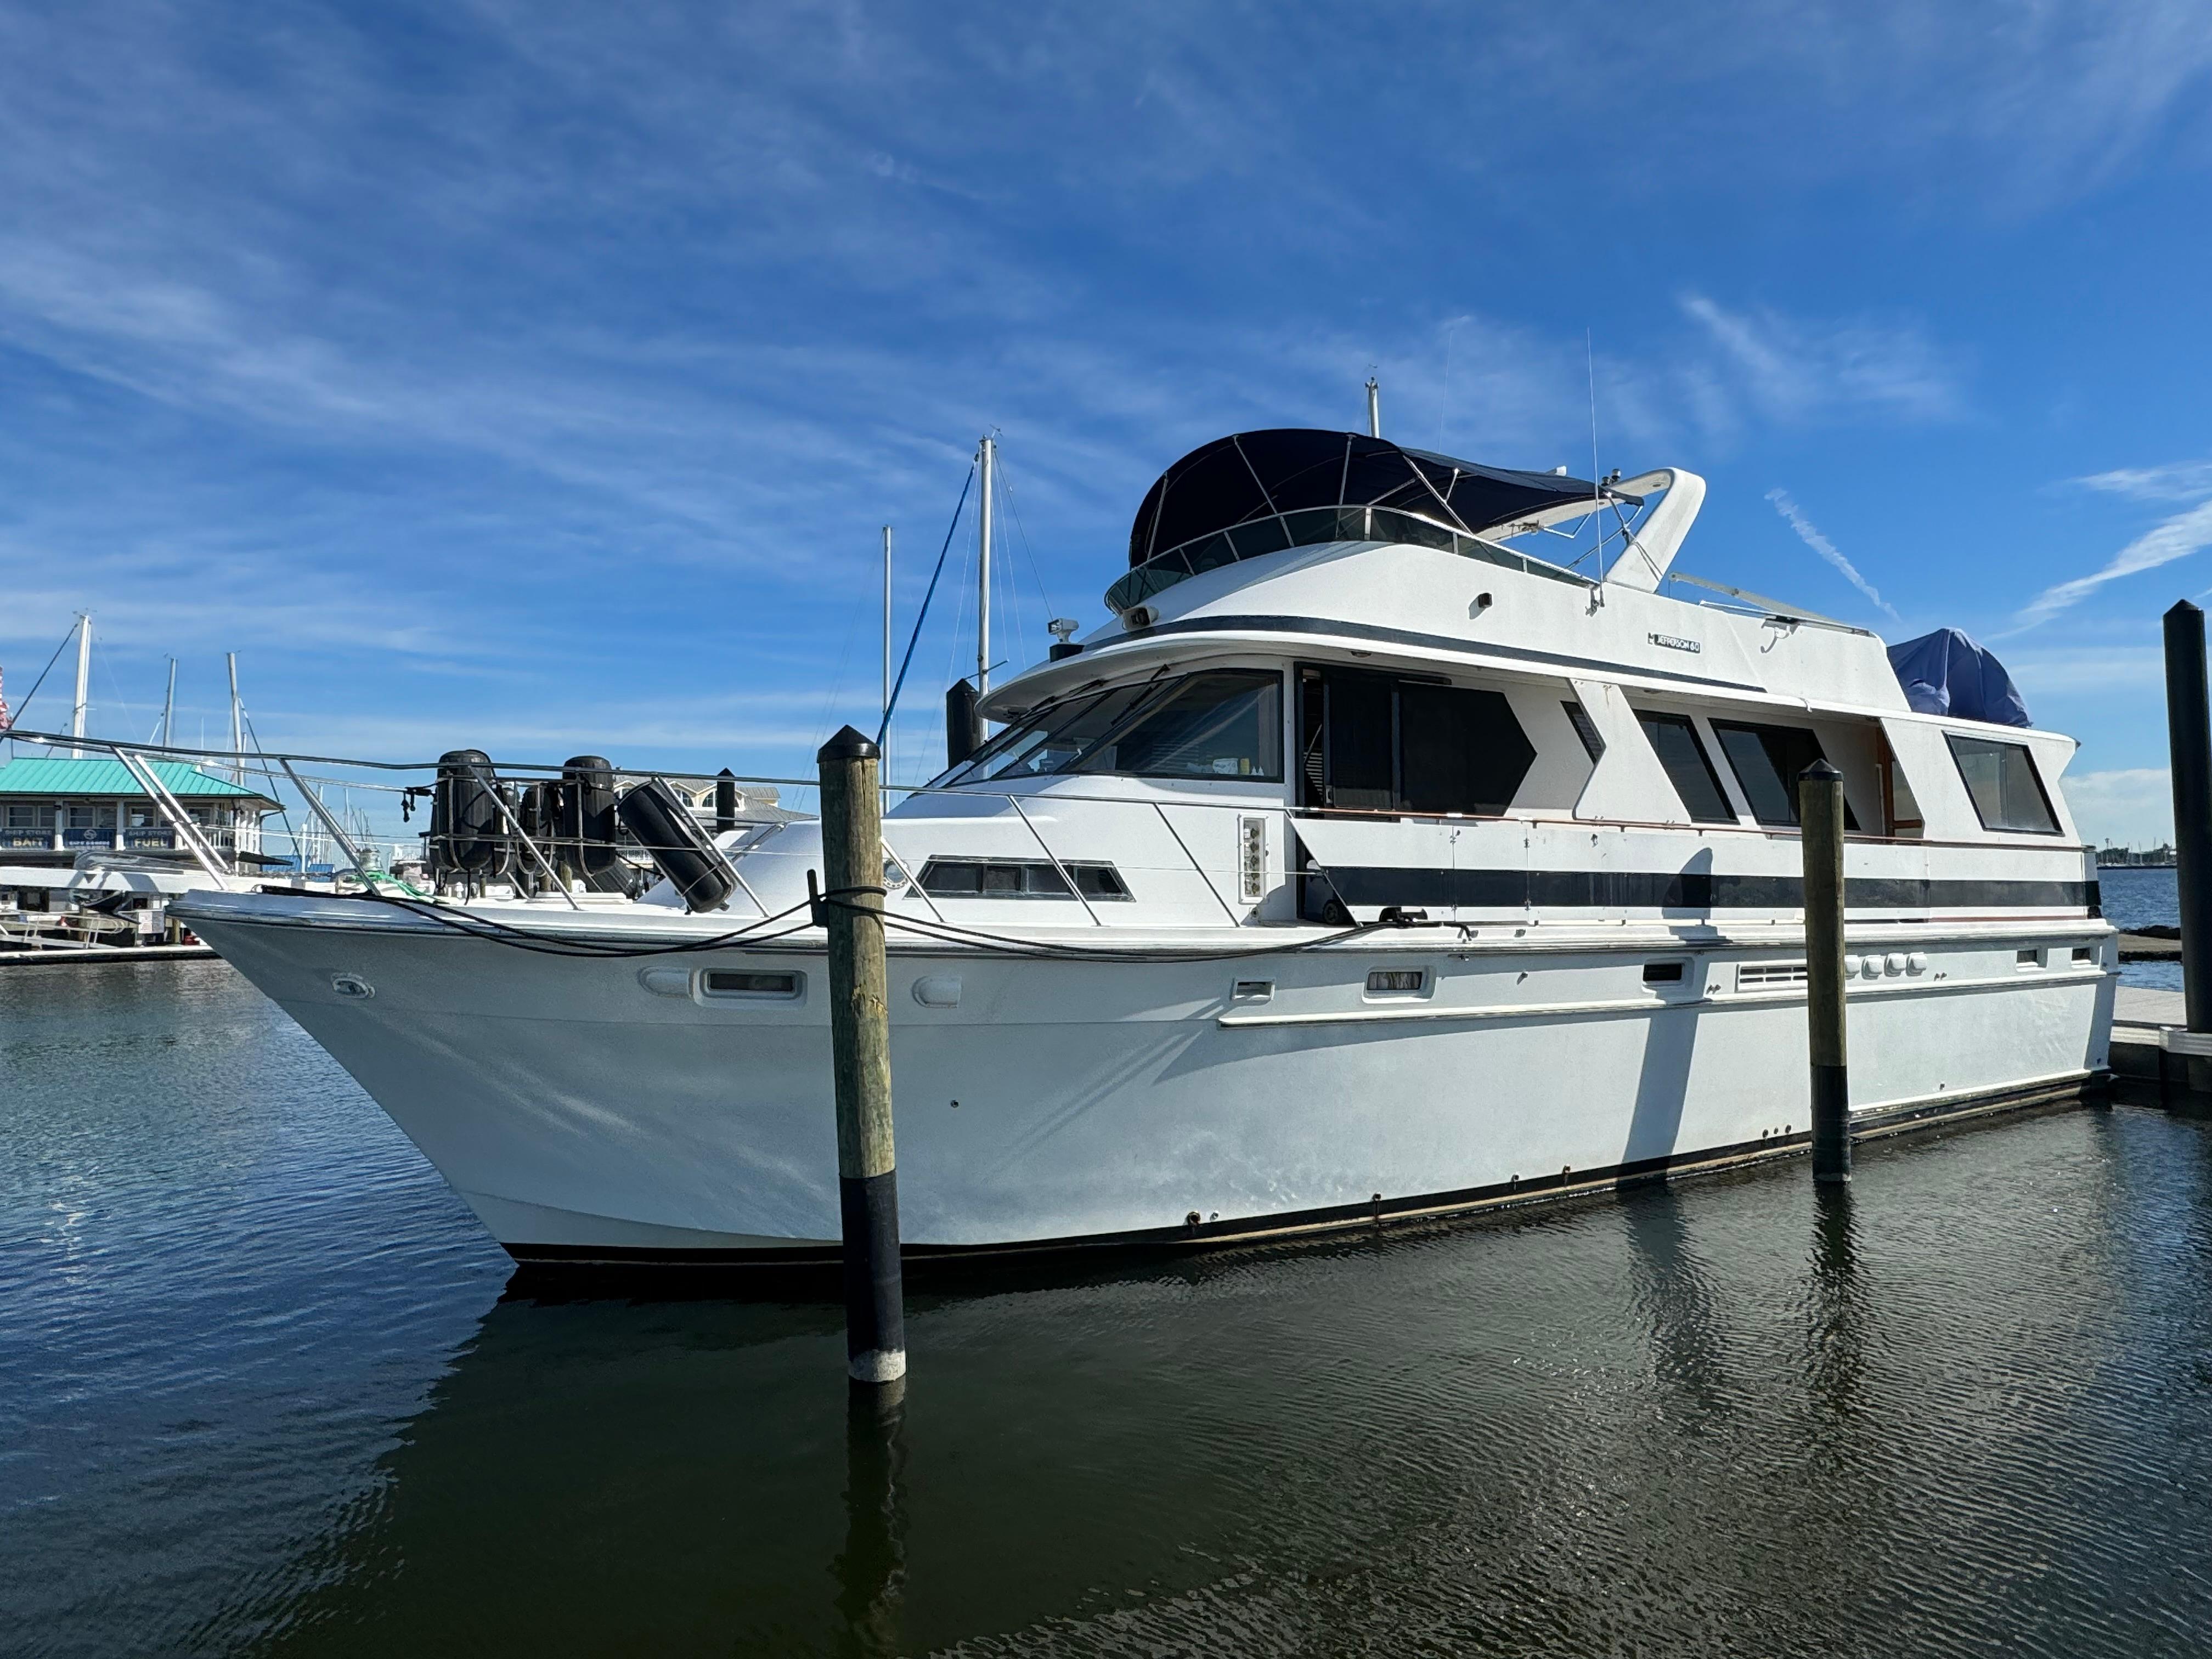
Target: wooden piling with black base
{"points": [[1821, 818], [859, 1035], [2189, 736]]}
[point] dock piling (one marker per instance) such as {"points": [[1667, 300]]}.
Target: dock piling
{"points": [[1821, 818], [2189, 736], [859, 1035]]}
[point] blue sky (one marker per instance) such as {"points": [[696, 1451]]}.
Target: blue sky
{"points": [[537, 376]]}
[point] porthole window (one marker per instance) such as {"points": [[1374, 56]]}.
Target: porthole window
{"points": [[1397, 981], [750, 985]]}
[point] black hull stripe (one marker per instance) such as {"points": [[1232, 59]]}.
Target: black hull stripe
{"points": [[1469, 649], [818, 1266], [1689, 890]]}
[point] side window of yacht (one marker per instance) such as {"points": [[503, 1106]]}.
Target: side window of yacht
{"points": [[1226, 723], [1462, 750], [2001, 778], [1675, 740], [1586, 729], [1379, 742], [1767, 761]]}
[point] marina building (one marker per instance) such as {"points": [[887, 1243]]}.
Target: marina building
{"points": [[73, 830]]}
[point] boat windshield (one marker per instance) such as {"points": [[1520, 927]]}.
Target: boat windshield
{"points": [[1225, 723], [1054, 737], [1220, 723]]}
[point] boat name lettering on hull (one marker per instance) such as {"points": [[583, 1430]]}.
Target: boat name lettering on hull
{"points": [[1673, 643]]}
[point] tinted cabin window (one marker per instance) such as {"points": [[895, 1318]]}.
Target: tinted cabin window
{"points": [[1227, 724], [1017, 878], [1586, 729], [1464, 751], [1675, 740], [1768, 761], [1361, 724], [1375, 742], [2001, 777]]}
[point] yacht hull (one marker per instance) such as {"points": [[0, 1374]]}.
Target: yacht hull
{"points": [[587, 1117]]}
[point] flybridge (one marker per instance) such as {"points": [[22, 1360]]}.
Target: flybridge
{"points": [[1256, 493]]}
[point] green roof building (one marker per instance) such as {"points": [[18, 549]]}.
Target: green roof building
{"points": [[54, 807]]}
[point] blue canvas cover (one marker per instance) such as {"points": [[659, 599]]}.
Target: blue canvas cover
{"points": [[1946, 673]]}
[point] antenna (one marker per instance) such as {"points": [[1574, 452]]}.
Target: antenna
{"points": [[885, 747], [1589, 364], [83, 679], [237, 723], [169, 703], [986, 457], [1374, 408]]}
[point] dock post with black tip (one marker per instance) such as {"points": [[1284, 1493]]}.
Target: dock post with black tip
{"points": [[1820, 819], [860, 1044], [2189, 736]]}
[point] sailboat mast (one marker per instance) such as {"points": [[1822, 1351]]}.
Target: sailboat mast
{"points": [[237, 723], [884, 763], [985, 457], [169, 703], [84, 678]]}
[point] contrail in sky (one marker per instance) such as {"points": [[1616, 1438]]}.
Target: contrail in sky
{"points": [[1809, 534]]}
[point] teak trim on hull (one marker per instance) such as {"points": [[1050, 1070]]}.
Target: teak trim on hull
{"points": [[565, 1264]]}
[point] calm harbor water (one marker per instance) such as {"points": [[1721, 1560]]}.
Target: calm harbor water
{"points": [[2138, 898], [259, 1392]]}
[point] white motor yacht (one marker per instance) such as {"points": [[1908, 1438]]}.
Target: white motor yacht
{"points": [[1366, 865]]}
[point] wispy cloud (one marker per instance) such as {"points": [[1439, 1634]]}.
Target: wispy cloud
{"points": [[1809, 534], [2178, 481], [2174, 537], [1792, 369]]}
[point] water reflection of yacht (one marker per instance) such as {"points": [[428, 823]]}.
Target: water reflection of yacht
{"points": [[1334, 693]]}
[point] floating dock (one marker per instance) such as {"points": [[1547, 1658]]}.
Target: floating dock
{"points": [[48, 954], [2151, 1039]]}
